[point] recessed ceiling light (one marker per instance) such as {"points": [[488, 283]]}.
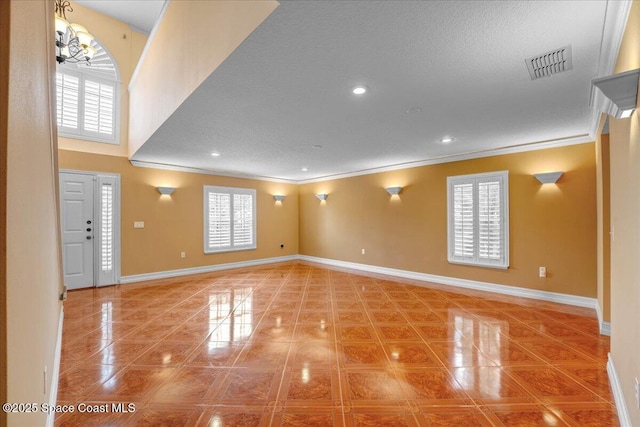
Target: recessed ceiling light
{"points": [[214, 154], [359, 90], [446, 139], [304, 169]]}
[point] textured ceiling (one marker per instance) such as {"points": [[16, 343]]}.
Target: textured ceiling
{"points": [[433, 69], [140, 14]]}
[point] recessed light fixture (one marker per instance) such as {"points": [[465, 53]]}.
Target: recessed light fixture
{"points": [[304, 169], [359, 90], [446, 140], [214, 154]]}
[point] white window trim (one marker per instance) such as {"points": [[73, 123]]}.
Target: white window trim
{"points": [[205, 214], [503, 177], [86, 135]]}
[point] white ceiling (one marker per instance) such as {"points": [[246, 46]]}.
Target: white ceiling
{"points": [[140, 14], [433, 69]]}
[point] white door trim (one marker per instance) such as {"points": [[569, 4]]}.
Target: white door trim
{"points": [[97, 225]]}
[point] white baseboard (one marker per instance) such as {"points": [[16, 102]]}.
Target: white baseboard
{"points": [[605, 327], [618, 396], [55, 375], [462, 283], [451, 281], [204, 269]]}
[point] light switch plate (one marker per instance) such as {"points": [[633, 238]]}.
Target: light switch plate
{"points": [[138, 224]]}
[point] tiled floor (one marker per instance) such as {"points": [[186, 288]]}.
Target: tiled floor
{"points": [[301, 345]]}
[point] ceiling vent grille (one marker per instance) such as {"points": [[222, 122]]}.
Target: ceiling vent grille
{"points": [[550, 63]]}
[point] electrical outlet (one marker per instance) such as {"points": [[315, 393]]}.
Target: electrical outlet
{"points": [[183, 254], [637, 393], [364, 252], [138, 224], [542, 272]]}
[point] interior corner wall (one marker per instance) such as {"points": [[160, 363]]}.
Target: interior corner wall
{"points": [[551, 225], [33, 246], [624, 148], [604, 226], [4, 116], [174, 224]]}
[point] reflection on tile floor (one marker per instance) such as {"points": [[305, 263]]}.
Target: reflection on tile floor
{"points": [[301, 345]]}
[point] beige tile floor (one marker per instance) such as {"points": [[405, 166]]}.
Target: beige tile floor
{"points": [[302, 345]]}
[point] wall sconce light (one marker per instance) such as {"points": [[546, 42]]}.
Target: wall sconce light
{"points": [[616, 95], [548, 177], [279, 197], [322, 196], [166, 190], [393, 190]]}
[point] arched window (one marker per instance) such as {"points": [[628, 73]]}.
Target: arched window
{"points": [[88, 98]]}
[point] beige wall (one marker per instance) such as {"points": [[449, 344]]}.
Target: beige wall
{"points": [[201, 34], [125, 46], [174, 224], [4, 112], [625, 222], [32, 238], [552, 226]]}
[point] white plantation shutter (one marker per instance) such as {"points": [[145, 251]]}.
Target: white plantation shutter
{"points": [[87, 98], [219, 235], [98, 107], [106, 229], [242, 219], [478, 216], [67, 100], [106, 226], [463, 220], [229, 219], [489, 221]]}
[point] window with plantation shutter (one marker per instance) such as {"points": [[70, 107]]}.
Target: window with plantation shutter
{"points": [[106, 226], [229, 219], [87, 99], [478, 219]]}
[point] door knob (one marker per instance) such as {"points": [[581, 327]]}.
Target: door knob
{"points": [[88, 229], [89, 222], [88, 237]]}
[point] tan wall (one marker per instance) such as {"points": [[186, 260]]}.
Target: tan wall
{"points": [[552, 226], [175, 224], [625, 221], [201, 34], [603, 203], [125, 46], [4, 112], [33, 245]]}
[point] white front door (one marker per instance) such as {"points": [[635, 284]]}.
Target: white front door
{"points": [[77, 221]]}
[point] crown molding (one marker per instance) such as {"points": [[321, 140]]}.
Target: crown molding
{"points": [[532, 146], [615, 22], [176, 168]]}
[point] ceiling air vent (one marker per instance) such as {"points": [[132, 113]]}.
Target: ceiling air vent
{"points": [[550, 63]]}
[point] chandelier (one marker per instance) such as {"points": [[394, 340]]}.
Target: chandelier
{"points": [[73, 41]]}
